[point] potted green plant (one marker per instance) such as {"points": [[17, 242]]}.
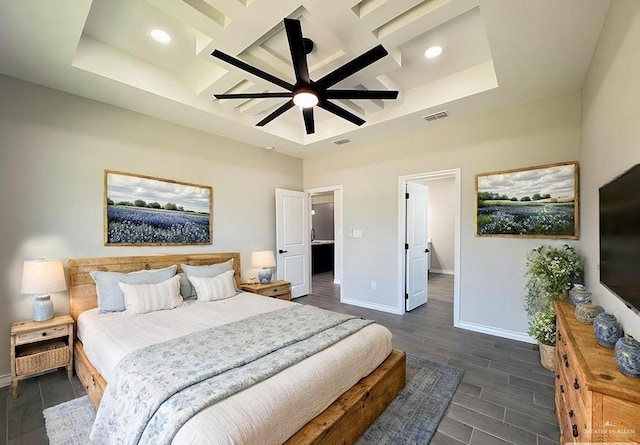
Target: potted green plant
{"points": [[550, 271], [542, 327]]}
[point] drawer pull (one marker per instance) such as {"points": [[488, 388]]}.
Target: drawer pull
{"points": [[559, 335], [44, 334], [562, 388], [566, 360], [575, 430], [570, 413], [558, 376], [576, 385]]}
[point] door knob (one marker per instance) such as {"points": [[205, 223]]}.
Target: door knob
{"points": [[426, 250], [282, 251]]}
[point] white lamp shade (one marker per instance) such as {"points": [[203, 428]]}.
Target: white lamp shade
{"points": [[43, 276], [263, 258]]}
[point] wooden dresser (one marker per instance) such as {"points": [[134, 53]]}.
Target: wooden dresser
{"points": [[595, 402]]}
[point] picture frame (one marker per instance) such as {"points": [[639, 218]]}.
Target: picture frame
{"points": [[144, 210], [532, 202]]}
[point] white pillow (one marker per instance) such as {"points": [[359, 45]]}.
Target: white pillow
{"points": [[215, 288], [143, 298]]}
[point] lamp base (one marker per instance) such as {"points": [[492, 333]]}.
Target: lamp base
{"points": [[42, 308], [264, 276]]}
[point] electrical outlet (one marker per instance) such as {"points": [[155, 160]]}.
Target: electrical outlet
{"points": [[373, 285]]}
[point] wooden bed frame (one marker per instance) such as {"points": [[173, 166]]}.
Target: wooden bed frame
{"points": [[342, 422]]}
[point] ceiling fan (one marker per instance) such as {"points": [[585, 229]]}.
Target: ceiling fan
{"points": [[307, 93]]}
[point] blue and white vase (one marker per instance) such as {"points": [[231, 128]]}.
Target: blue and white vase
{"points": [[579, 294], [627, 354], [607, 329]]}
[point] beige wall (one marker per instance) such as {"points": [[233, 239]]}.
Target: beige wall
{"points": [[54, 149], [610, 135], [492, 283], [442, 196]]}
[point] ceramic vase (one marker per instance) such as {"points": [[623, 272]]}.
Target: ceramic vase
{"points": [[627, 355], [579, 294], [42, 308], [587, 312], [264, 276], [607, 330]]}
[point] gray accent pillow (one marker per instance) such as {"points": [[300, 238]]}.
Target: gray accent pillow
{"points": [[110, 296], [185, 287], [206, 271]]}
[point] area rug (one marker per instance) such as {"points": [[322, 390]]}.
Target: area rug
{"points": [[411, 418]]}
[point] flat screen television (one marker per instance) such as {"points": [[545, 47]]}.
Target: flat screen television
{"points": [[620, 237]]}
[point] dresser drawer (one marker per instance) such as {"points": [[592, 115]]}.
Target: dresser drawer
{"points": [[276, 291], [42, 334]]}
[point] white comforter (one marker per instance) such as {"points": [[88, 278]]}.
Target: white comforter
{"points": [[267, 413]]}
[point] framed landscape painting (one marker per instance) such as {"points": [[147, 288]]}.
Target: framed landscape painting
{"points": [[534, 202], [142, 210]]}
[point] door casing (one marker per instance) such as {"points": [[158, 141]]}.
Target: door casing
{"points": [[402, 182]]}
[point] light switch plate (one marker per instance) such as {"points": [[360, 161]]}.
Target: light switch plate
{"points": [[357, 233]]}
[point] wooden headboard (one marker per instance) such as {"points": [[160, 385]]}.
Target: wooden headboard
{"points": [[82, 290]]}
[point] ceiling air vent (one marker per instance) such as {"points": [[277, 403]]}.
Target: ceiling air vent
{"points": [[341, 141], [435, 116]]}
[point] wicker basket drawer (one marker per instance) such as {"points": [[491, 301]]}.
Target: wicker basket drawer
{"points": [[41, 357]]}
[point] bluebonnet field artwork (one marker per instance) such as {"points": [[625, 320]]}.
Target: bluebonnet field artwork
{"points": [[538, 202], [143, 210]]}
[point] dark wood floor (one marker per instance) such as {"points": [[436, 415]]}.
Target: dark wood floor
{"points": [[505, 395]]}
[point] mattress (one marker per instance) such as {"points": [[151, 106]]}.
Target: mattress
{"points": [[267, 413]]}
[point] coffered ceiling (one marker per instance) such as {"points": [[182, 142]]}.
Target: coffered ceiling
{"points": [[495, 53]]}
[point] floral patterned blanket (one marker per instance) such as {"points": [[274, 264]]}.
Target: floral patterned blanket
{"points": [[156, 389]]}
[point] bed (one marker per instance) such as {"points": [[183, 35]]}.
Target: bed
{"points": [[344, 418]]}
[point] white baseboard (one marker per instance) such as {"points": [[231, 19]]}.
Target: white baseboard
{"points": [[5, 380], [369, 305], [442, 271], [504, 333]]}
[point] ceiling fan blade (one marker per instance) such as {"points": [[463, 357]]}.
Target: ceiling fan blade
{"points": [[250, 69], [309, 123], [352, 67], [341, 112], [360, 94], [253, 95], [286, 106], [296, 46]]}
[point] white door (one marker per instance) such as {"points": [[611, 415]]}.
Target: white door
{"points": [[293, 240], [416, 275]]}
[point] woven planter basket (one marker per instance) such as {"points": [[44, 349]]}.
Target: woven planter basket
{"points": [[547, 356]]}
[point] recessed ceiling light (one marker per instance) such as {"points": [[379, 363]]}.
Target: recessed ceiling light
{"points": [[432, 52], [160, 36]]}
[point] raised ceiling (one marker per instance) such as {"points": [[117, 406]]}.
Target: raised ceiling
{"points": [[496, 53]]}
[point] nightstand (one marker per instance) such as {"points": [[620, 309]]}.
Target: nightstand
{"points": [[279, 289], [40, 346]]}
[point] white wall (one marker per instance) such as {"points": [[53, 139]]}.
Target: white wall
{"points": [[442, 195], [610, 135], [492, 283], [54, 149]]}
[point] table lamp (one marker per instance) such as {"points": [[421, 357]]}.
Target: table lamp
{"points": [[42, 277], [264, 259]]}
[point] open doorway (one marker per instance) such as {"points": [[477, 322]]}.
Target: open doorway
{"points": [[326, 240], [443, 222]]}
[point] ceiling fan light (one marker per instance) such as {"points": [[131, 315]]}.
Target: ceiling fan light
{"points": [[160, 36], [305, 99], [432, 52]]}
